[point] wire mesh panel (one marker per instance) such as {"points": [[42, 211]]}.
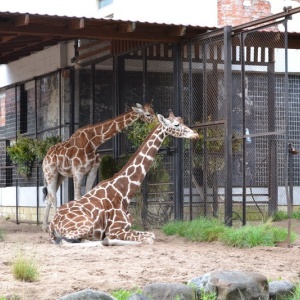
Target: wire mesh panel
{"points": [[203, 106]]}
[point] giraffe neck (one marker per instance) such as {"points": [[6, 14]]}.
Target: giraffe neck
{"points": [[128, 180], [101, 132]]}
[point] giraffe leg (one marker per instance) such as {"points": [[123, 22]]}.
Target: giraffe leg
{"points": [[77, 178], [120, 229], [91, 177], [51, 198]]}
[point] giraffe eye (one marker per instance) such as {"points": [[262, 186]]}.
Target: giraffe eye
{"points": [[176, 125], [148, 115]]}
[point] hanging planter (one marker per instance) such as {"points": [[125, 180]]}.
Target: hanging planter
{"points": [[25, 151]]}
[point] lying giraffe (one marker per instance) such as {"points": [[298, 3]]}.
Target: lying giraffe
{"points": [[102, 213], [77, 157]]}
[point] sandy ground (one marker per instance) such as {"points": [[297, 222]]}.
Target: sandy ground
{"points": [[172, 259]]}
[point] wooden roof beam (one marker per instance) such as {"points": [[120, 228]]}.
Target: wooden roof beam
{"points": [[21, 20], [126, 27], [77, 24], [177, 31]]}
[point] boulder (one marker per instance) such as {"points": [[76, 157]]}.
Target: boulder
{"points": [[233, 285], [87, 294], [168, 291], [280, 290]]}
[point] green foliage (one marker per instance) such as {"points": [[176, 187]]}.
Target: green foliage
{"points": [[22, 154], [203, 295], [11, 297], [214, 144], [108, 167], [204, 229], [295, 295], [283, 215], [251, 236], [41, 146], [124, 294], [25, 269], [26, 150]]}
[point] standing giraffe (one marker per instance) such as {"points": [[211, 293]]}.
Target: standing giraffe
{"points": [[102, 214], [77, 157]]}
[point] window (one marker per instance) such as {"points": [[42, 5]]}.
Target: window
{"points": [[103, 3]]}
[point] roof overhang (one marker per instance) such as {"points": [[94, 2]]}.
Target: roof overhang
{"points": [[22, 34]]}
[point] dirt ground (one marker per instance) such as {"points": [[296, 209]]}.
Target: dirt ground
{"points": [[172, 259]]}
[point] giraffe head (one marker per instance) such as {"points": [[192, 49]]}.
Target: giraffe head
{"points": [[145, 112], [174, 126]]}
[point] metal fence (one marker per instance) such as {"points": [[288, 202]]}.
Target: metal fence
{"points": [[233, 87]]}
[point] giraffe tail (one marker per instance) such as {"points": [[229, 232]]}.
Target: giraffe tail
{"points": [[45, 192], [57, 238]]}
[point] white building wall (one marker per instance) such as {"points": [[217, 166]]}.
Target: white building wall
{"points": [[37, 64]]}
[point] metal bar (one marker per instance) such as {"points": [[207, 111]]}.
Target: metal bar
{"points": [[228, 125], [17, 177], [286, 95], [178, 142], [37, 168], [71, 125], [242, 59], [273, 185], [189, 50], [204, 117], [145, 181]]}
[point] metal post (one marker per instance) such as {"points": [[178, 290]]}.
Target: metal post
{"points": [[178, 142], [228, 124], [273, 186]]}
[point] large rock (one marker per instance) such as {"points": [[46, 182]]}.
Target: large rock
{"points": [[168, 291], [87, 294], [233, 285], [281, 289]]}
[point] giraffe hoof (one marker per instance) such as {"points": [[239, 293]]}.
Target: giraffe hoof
{"points": [[149, 241], [105, 242]]}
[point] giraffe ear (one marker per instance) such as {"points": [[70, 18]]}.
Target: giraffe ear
{"points": [[163, 120], [138, 108]]}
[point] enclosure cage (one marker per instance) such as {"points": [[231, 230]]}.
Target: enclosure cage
{"points": [[231, 85]]}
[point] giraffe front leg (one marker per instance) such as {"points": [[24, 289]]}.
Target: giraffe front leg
{"points": [[124, 234]]}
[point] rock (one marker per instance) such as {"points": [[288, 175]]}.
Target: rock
{"points": [[168, 291], [87, 294], [138, 297], [233, 285], [280, 290]]}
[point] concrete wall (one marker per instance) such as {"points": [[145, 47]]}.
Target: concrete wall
{"points": [[37, 64]]}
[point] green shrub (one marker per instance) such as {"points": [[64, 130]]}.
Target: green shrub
{"points": [[124, 294], [26, 150], [208, 230], [25, 269]]}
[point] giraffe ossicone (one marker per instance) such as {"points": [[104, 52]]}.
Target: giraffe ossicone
{"points": [[102, 213], [77, 156]]}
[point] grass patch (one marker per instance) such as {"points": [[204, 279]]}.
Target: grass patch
{"points": [[198, 230], [296, 294], [208, 230], [124, 294], [25, 269], [251, 236], [1, 238], [283, 215]]}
